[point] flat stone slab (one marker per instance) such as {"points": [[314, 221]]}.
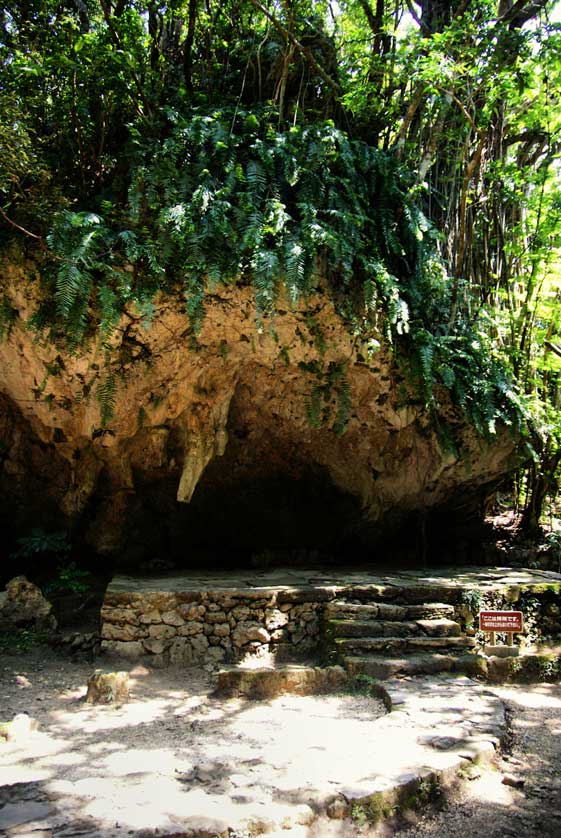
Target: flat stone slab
{"points": [[16, 814], [333, 583], [271, 681], [281, 765]]}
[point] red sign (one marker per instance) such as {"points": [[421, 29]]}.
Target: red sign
{"points": [[500, 621]]}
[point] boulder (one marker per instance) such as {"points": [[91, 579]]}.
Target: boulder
{"points": [[23, 605]]}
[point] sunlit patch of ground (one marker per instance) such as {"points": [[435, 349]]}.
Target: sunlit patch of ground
{"points": [[485, 806], [176, 756], [174, 752]]}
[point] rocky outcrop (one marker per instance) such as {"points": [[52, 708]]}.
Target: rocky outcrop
{"points": [[233, 435], [22, 605]]}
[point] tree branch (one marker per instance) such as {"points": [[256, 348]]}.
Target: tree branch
{"points": [[521, 12], [421, 23], [305, 51], [553, 346], [18, 227], [188, 45]]}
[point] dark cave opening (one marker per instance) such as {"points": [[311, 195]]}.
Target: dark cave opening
{"points": [[255, 520]]}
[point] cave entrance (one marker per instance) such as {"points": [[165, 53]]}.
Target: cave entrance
{"points": [[270, 517]]}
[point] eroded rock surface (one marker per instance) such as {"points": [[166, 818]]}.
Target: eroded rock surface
{"points": [[22, 605], [230, 435]]}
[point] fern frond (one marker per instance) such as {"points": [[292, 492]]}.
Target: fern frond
{"points": [[106, 396]]}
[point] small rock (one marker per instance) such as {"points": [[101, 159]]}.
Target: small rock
{"points": [[151, 617], [24, 604], [338, 809], [514, 782], [22, 681], [155, 646], [162, 632], [108, 688], [19, 729], [172, 618]]}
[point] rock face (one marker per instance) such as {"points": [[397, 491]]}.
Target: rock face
{"points": [[228, 440]]}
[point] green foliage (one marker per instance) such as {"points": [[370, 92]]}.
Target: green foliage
{"points": [[69, 579], [90, 273], [370, 810], [362, 685], [21, 640], [473, 600], [219, 203], [106, 396], [38, 542], [428, 791], [549, 668]]}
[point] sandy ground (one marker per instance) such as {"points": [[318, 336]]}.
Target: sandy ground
{"points": [[107, 771], [172, 754]]}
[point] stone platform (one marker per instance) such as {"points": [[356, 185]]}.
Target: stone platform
{"points": [[448, 578], [285, 614]]}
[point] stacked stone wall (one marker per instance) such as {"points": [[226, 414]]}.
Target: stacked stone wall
{"points": [[210, 627]]}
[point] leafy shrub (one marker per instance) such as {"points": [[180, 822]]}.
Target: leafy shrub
{"points": [[21, 640], [39, 541], [69, 579]]}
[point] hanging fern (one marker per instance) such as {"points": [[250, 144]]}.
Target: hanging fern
{"points": [[313, 407], [344, 405], [226, 199], [106, 396]]}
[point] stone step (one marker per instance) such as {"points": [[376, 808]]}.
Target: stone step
{"points": [[411, 594], [439, 627], [338, 610], [372, 628], [342, 610], [400, 645], [430, 610], [394, 628], [382, 668]]}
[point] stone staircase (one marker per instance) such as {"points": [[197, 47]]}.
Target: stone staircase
{"points": [[382, 639]]}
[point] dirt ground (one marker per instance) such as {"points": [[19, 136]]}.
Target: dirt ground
{"points": [[175, 730], [485, 806]]}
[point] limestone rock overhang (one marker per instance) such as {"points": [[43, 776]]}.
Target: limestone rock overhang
{"points": [[246, 410]]}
